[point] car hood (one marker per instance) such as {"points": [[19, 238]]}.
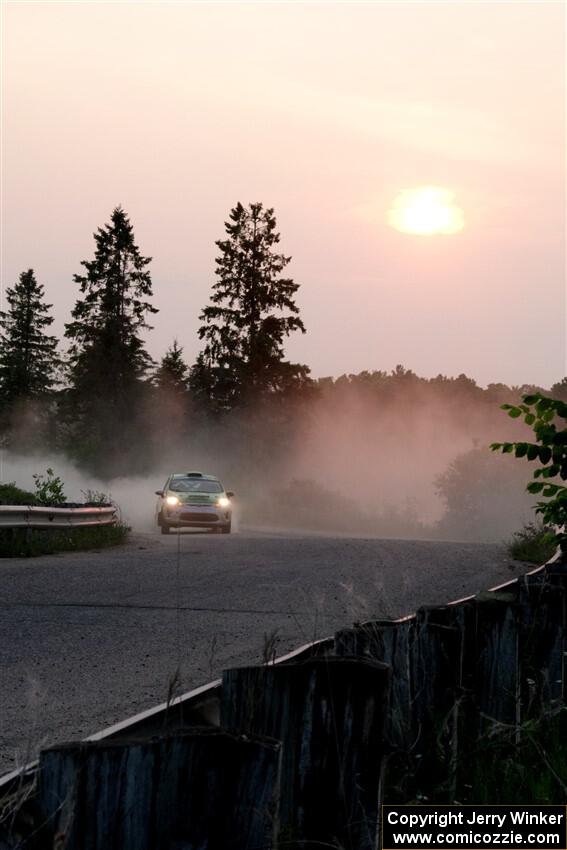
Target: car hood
{"points": [[197, 498]]}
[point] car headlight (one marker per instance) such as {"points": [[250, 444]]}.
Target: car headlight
{"points": [[223, 502], [172, 500]]}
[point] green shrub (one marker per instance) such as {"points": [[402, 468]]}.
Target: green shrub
{"points": [[12, 495], [49, 488], [535, 543]]}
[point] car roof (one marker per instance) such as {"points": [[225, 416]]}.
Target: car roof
{"points": [[193, 475]]}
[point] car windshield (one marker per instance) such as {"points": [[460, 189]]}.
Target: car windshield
{"points": [[194, 485]]}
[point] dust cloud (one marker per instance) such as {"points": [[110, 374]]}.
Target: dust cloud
{"points": [[413, 464]]}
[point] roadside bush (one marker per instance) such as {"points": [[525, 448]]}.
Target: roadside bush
{"points": [[49, 489], [535, 543], [12, 495]]}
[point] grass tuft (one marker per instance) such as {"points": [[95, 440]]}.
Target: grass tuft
{"points": [[503, 770]]}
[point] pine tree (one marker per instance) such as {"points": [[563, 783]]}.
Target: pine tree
{"points": [[107, 355], [252, 310], [172, 373], [107, 358], [168, 411], [28, 355]]}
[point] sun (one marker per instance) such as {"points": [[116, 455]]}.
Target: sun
{"points": [[426, 211]]}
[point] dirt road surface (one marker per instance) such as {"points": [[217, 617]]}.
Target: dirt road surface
{"points": [[89, 639]]}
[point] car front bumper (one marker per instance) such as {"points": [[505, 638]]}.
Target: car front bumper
{"points": [[196, 515]]}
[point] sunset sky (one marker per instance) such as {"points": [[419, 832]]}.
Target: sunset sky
{"points": [[326, 112]]}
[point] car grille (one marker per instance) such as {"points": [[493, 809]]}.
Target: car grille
{"points": [[199, 517]]}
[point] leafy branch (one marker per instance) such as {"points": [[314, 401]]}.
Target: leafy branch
{"points": [[544, 416]]}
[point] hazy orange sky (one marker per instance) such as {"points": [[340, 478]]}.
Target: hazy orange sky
{"points": [[325, 111]]}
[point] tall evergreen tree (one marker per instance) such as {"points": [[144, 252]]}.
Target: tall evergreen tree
{"points": [[172, 374], [252, 310], [107, 357], [28, 355], [107, 354]]}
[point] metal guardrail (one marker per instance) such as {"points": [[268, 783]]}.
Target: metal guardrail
{"points": [[27, 516]]}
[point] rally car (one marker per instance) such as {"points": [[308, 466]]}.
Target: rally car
{"points": [[193, 499]]}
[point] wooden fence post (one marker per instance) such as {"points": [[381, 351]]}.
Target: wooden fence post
{"points": [[329, 714], [496, 661], [543, 624], [389, 641], [427, 656], [203, 789], [440, 696]]}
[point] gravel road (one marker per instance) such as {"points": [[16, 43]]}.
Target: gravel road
{"points": [[89, 639]]}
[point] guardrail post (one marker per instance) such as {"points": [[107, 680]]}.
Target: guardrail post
{"points": [[329, 714], [439, 688], [556, 574], [203, 788], [387, 641], [497, 660], [543, 639], [427, 655]]}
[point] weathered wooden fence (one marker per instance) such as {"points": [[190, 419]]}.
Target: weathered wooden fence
{"points": [[389, 708], [203, 788], [462, 671], [329, 714]]}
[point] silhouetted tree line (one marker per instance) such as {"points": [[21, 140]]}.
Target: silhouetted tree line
{"points": [[104, 401], [101, 399]]}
